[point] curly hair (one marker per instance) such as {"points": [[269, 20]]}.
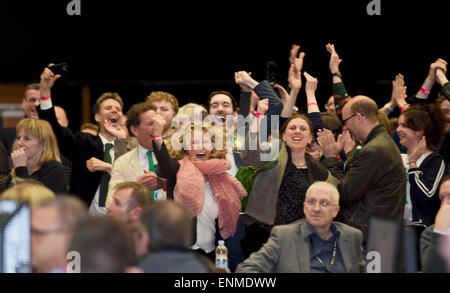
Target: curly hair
{"points": [[181, 136]]}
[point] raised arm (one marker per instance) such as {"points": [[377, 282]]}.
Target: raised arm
{"points": [[339, 92], [66, 139], [295, 83], [431, 78]]}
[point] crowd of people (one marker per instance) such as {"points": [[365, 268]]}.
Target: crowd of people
{"points": [[155, 189]]}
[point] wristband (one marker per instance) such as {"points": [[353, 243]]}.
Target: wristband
{"points": [[157, 137], [310, 104], [388, 106], [44, 98], [338, 74], [256, 113], [403, 108], [424, 91]]}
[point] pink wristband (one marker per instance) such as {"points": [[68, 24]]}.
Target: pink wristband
{"points": [[424, 91], [256, 113], [403, 108], [309, 104], [44, 98], [157, 137]]}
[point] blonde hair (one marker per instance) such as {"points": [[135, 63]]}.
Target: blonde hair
{"points": [[43, 132], [29, 192], [191, 110], [157, 96], [185, 131]]}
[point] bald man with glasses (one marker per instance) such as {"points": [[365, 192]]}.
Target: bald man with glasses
{"points": [[316, 244]]}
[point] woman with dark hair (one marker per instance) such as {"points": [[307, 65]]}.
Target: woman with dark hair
{"points": [[278, 192], [425, 168]]}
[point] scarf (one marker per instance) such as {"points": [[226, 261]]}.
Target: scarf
{"points": [[190, 190]]}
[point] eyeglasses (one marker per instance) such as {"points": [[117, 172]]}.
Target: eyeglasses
{"points": [[345, 120], [323, 203]]}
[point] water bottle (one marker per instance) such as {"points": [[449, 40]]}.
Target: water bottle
{"points": [[222, 255]]}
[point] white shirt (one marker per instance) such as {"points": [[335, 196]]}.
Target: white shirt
{"points": [[143, 163], [95, 209], [206, 222], [234, 169]]}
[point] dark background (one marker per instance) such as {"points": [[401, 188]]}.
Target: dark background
{"points": [[191, 48]]}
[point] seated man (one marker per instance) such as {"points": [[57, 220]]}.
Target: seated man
{"points": [[128, 200], [104, 246], [52, 224], [431, 257], [169, 227], [314, 245]]}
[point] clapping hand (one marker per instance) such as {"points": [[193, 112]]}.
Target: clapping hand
{"points": [[330, 147]]}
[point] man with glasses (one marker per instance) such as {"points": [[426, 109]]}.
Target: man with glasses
{"points": [[52, 223], [373, 182], [314, 245]]}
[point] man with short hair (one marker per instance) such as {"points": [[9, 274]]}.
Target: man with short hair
{"points": [[374, 181], [169, 226], [91, 156], [29, 103], [316, 244], [166, 105], [52, 224], [104, 246], [127, 201], [140, 164], [432, 258]]}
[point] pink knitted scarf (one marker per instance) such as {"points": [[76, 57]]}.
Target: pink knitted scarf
{"points": [[190, 190]]}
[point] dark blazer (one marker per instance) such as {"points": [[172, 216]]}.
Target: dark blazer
{"points": [[374, 183], [51, 174], [176, 261], [7, 137], [288, 251], [78, 148]]}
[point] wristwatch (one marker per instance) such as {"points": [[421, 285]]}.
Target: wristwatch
{"points": [[338, 74]]}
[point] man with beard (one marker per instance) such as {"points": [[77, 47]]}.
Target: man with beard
{"points": [[374, 180], [91, 156]]}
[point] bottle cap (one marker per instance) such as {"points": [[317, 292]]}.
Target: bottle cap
{"points": [[221, 242]]}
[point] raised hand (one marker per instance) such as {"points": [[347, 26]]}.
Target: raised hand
{"points": [[283, 93], [116, 130], [159, 123], [94, 164], [238, 81], [334, 58], [438, 64], [48, 79], [19, 158], [398, 91], [294, 78], [263, 106], [347, 140], [330, 147], [294, 60], [242, 78], [254, 99], [311, 82]]}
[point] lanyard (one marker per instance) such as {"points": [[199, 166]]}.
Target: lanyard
{"points": [[333, 258]]}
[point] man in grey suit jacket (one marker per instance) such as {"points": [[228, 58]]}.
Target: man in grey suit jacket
{"points": [[316, 244]]}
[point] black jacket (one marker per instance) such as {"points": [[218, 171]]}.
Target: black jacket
{"points": [[78, 148]]}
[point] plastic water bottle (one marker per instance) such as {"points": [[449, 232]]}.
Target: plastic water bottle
{"points": [[222, 255]]}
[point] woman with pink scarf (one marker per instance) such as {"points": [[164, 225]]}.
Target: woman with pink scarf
{"points": [[195, 166]]}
